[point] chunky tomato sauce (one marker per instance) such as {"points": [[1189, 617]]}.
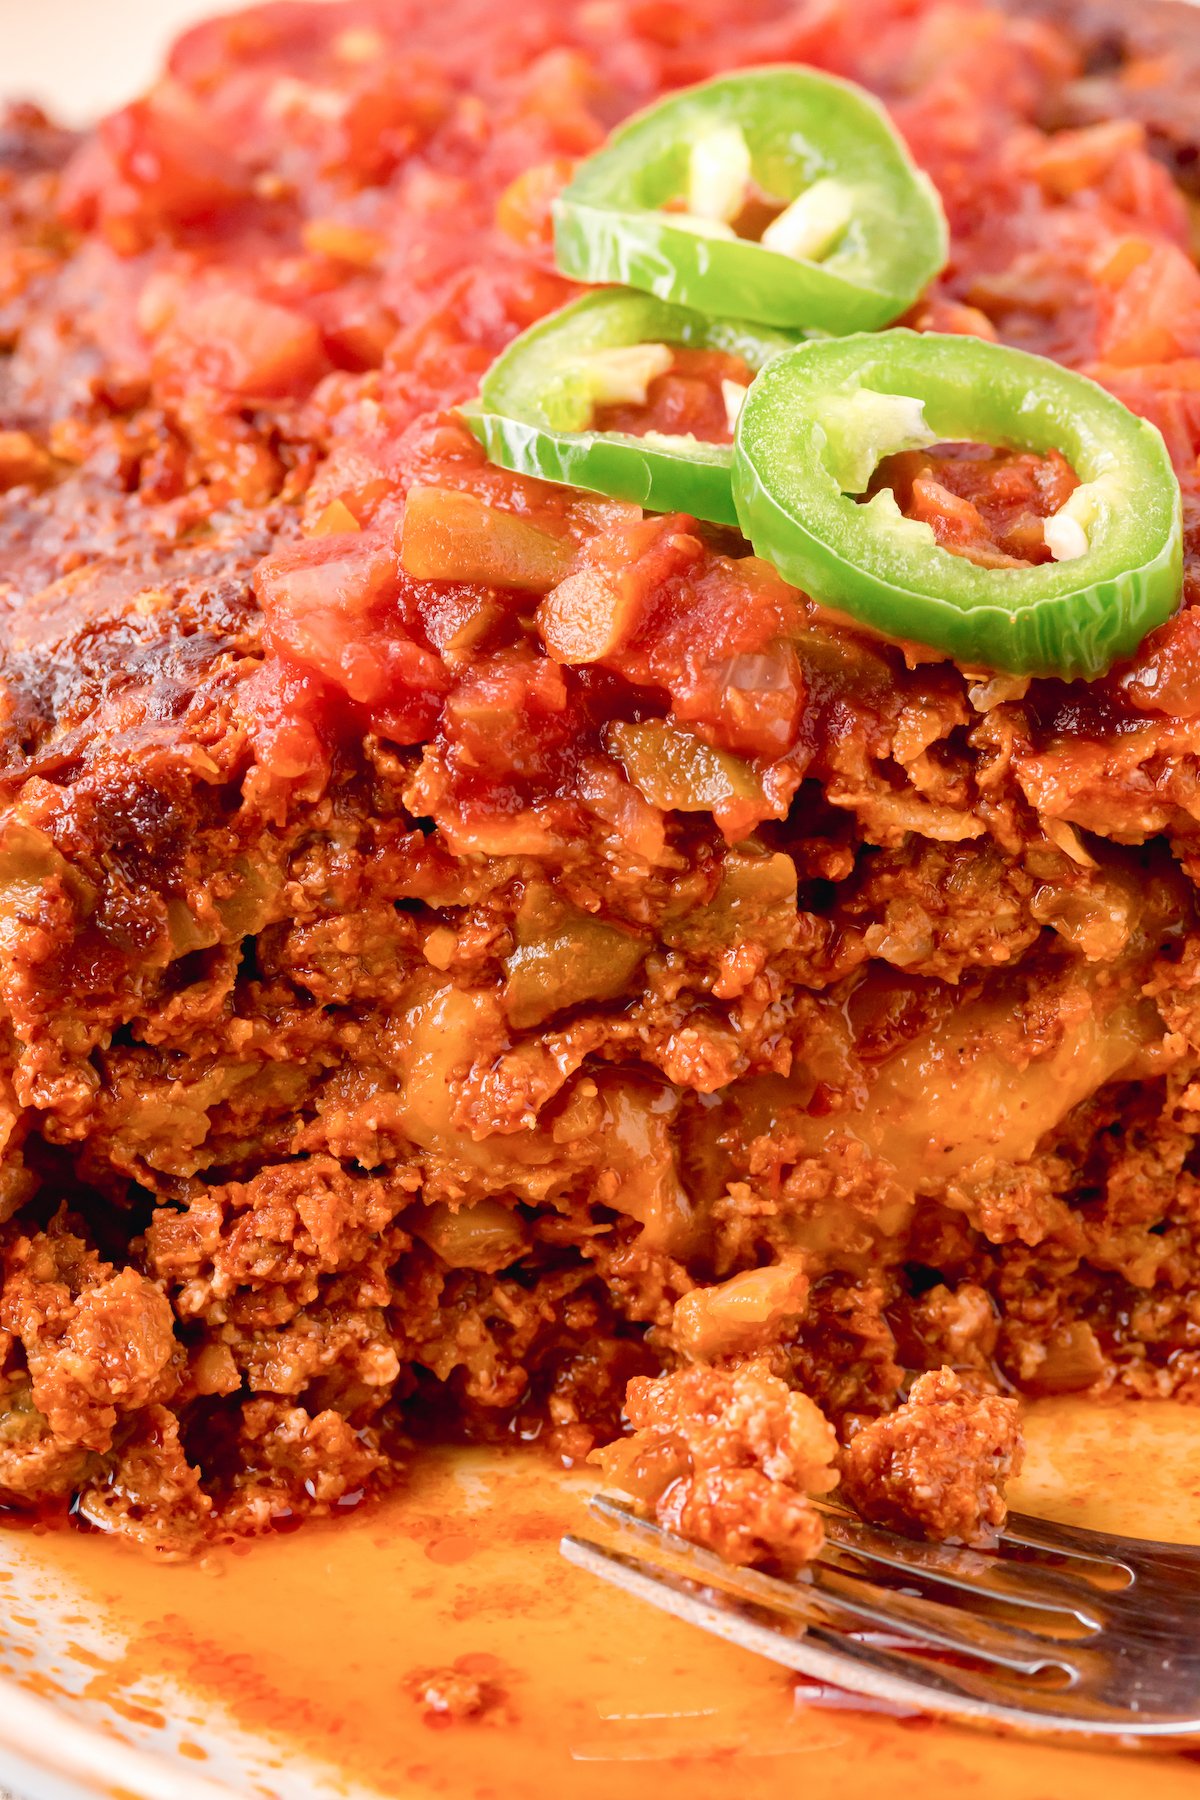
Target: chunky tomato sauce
{"points": [[307, 218], [987, 505]]}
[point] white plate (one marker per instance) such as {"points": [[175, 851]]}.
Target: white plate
{"points": [[80, 57]]}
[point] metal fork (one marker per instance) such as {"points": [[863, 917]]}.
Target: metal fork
{"points": [[1062, 1632]]}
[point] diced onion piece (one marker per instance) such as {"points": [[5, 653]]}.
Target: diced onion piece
{"points": [[485, 1235], [809, 228], [864, 427], [1068, 840], [1065, 537], [359, 44], [718, 174], [998, 690], [28, 862], [688, 221], [1073, 1360], [740, 1314], [452, 536], [1068, 532], [734, 396], [622, 375], [671, 440], [214, 1371]]}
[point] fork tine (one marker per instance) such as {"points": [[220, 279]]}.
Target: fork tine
{"points": [[964, 1571], [725, 1614], [936, 1626], [1066, 1540], [967, 1571], [1083, 1544], [862, 1667], [850, 1602]]}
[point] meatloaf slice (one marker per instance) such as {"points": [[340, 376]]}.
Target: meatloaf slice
{"points": [[465, 946]]}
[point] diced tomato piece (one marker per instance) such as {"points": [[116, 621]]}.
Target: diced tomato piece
{"points": [[337, 605], [1155, 311], [510, 714], [750, 703], [985, 505], [1168, 394], [523, 211], [717, 643], [654, 605], [386, 121], [148, 168], [1071, 162], [1165, 675], [241, 345], [343, 574], [414, 683], [356, 330], [289, 710], [260, 33]]}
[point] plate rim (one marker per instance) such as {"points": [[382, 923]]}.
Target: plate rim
{"points": [[39, 1735]]}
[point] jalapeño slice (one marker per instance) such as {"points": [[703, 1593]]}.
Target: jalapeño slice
{"points": [[818, 421], [538, 401], [844, 231]]}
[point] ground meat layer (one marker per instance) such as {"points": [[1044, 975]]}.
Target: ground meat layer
{"points": [[466, 947]]}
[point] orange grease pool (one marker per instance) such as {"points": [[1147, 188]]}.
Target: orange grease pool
{"points": [[319, 1640]]}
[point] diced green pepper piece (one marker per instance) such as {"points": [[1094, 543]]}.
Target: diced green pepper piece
{"points": [[563, 957], [755, 902], [677, 771]]}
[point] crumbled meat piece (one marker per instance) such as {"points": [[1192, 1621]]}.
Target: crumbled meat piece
{"points": [[147, 1492], [957, 1326], [461, 1692], [937, 1466], [98, 1342], [287, 1462], [729, 1460], [34, 1461]]}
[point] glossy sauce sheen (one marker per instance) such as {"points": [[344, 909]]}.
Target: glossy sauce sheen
{"points": [[585, 1694]]}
